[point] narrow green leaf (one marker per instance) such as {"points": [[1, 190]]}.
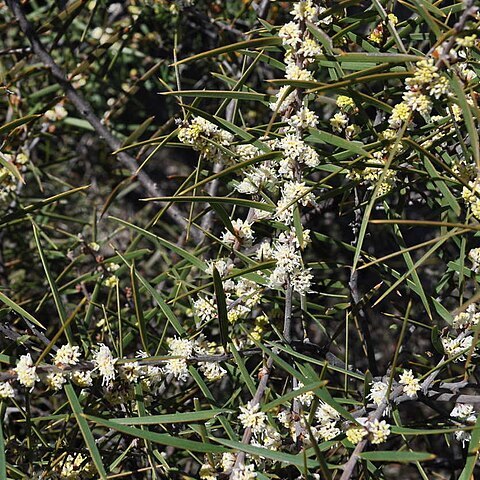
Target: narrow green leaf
{"points": [[242, 202], [371, 57], [85, 430], [160, 438], [22, 212], [237, 95], [221, 308], [458, 89], [221, 212], [183, 417], [138, 308], [138, 132], [17, 308], [8, 127], [355, 147], [165, 243], [286, 458], [62, 314], [255, 43], [397, 457]]}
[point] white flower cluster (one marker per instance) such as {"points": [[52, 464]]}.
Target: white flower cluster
{"points": [[264, 435], [289, 265], [471, 195], [328, 419], [242, 233], [207, 138], [251, 417], [105, 364], [467, 319], [372, 175], [465, 414], [117, 377], [377, 430], [183, 349], [474, 256], [378, 392], [294, 152], [242, 297], [76, 467], [26, 371], [425, 84], [460, 346], [213, 371], [411, 385]]}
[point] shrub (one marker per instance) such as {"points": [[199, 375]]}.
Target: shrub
{"points": [[270, 270]]}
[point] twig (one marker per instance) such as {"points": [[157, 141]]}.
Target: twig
{"points": [[457, 28], [247, 434], [352, 461], [86, 111], [358, 311]]}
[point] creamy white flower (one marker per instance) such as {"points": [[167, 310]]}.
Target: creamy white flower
{"points": [[295, 151], [183, 348], [474, 256], [244, 472], [378, 392], [6, 391], [328, 431], [243, 232], [301, 281], [56, 380], [338, 122], [326, 413], [82, 378], [67, 355], [75, 467], [457, 346], [379, 431], [205, 308], [202, 136], [305, 398], [464, 412], [292, 193], [309, 48], [294, 72], [468, 318], [411, 385], [105, 364], [290, 34], [207, 472], [305, 10], [26, 371], [256, 178], [252, 418], [417, 101], [303, 118]]}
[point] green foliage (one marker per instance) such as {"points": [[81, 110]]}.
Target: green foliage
{"points": [[239, 239]]}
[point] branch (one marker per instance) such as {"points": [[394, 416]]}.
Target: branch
{"points": [[352, 461], [470, 9], [247, 434], [86, 111]]}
